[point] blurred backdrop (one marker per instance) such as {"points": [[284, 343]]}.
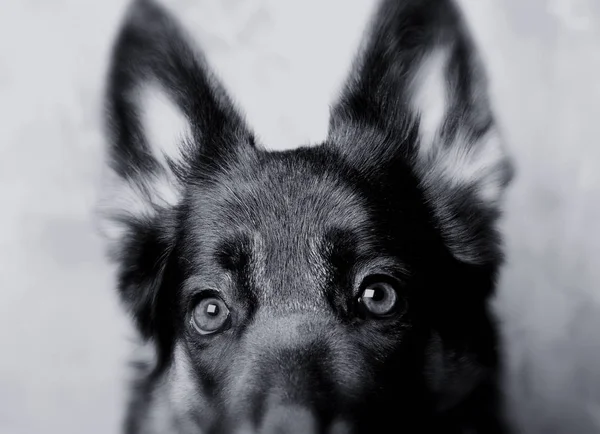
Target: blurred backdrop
{"points": [[64, 341]]}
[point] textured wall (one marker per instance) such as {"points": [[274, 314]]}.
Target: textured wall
{"points": [[63, 339]]}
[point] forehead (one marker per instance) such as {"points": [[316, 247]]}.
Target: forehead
{"points": [[282, 213], [281, 192]]}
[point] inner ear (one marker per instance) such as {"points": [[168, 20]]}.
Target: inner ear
{"points": [[429, 100], [168, 130], [459, 144]]}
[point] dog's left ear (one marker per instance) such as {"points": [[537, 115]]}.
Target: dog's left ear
{"points": [[418, 93], [169, 124]]}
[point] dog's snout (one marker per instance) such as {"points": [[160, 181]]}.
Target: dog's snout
{"points": [[294, 378], [289, 419]]}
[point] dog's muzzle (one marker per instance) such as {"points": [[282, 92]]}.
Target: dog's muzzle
{"points": [[296, 375]]}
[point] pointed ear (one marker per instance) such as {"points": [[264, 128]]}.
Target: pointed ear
{"points": [[167, 119], [418, 93]]}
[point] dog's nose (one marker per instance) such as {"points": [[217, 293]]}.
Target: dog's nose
{"points": [[289, 419]]}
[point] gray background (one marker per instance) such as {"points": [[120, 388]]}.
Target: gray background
{"points": [[63, 339]]}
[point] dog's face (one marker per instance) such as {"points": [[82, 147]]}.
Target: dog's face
{"points": [[337, 288], [296, 287]]}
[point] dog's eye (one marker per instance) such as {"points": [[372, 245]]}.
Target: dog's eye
{"points": [[380, 299], [210, 315]]}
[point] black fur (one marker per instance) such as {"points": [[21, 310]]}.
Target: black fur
{"points": [[287, 239]]}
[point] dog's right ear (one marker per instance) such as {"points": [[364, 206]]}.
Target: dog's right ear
{"points": [[417, 101], [168, 119]]}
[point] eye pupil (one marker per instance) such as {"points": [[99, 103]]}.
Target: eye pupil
{"points": [[212, 309]]}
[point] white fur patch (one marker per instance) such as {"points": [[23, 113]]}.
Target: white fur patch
{"points": [[466, 164], [183, 395], [460, 162], [140, 199], [430, 98], [174, 398], [167, 131], [165, 126], [121, 200]]}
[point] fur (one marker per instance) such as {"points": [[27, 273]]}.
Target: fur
{"points": [[406, 188]]}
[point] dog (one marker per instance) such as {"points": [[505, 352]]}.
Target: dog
{"points": [[341, 288]]}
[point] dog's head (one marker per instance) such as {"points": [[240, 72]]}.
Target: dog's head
{"points": [[332, 288]]}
